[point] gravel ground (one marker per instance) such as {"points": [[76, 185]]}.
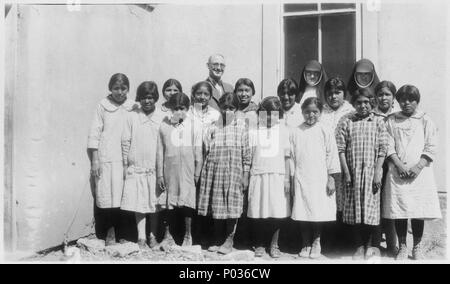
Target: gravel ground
{"points": [[434, 243]]}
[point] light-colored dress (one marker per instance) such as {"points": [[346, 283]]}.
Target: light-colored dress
{"points": [[106, 135], [331, 118], [294, 116], [227, 156], [411, 137], [364, 141], [266, 194], [315, 156], [179, 149], [139, 142]]}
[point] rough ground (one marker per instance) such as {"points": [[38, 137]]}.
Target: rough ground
{"points": [[434, 242]]}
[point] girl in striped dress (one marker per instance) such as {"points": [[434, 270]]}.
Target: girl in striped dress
{"points": [[362, 144], [225, 173]]}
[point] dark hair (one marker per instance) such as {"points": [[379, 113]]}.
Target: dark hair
{"points": [[118, 78], [229, 99], [289, 84], [302, 82], [244, 81], [199, 85], [334, 83], [352, 86], [364, 92], [171, 82], [145, 88], [269, 105], [386, 84], [409, 92], [312, 101], [177, 100]]}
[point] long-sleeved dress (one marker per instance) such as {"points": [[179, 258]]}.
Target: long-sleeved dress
{"points": [[315, 156], [139, 142], [363, 140], [106, 135], [179, 149], [266, 194], [409, 138], [227, 156]]}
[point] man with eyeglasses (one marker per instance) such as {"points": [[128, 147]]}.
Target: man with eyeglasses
{"points": [[216, 66]]}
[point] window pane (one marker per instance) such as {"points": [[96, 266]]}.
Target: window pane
{"points": [[300, 7], [339, 44], [300, 44], [332, 6]]}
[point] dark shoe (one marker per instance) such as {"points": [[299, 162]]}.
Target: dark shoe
{"points": [[110, 237]]}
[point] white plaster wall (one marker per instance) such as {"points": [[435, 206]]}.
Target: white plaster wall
{"points": [[412, 49], [64, 63]]}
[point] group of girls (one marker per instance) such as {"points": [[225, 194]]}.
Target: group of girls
{"points": [[317, 152]]}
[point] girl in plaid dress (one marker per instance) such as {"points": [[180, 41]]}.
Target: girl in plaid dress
{"points": [[362, 145], [225, 173]]}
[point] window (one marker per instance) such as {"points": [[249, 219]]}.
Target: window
{"points": [[327, 32]]}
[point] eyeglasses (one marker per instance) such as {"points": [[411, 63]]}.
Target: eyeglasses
{"points": [[215, 65]]}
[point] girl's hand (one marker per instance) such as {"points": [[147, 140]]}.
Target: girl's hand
{"points": [[125, 170], [244, 181], [415, 171], [287, 185], [331, 187], [161, 183], [377, 180], [348, 180], [96, 170], [402, 171], [292, 179]]}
